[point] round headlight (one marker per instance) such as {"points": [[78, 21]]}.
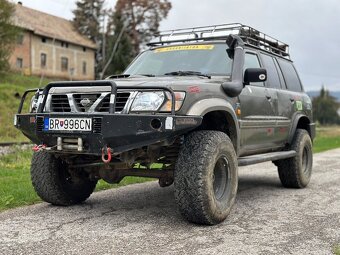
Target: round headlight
{"points": [[147, 101]]}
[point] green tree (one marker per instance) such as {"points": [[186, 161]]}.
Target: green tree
{"points": [[325, 108], [143, 18], [8, 33], [88, 21], [119, 52]]}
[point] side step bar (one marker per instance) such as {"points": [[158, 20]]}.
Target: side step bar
{"points": [[272, 156]]}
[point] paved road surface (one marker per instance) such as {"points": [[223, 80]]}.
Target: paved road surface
{"points": [[142, 219]]}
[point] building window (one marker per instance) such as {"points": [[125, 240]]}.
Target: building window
{"points": [[84, 49], [19, 63], [43, 60], [20, 39], [84, 68], [64, 44], [44, 40], [64, 64]]}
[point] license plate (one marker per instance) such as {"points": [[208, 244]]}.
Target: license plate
{"points": [[67, 124]]}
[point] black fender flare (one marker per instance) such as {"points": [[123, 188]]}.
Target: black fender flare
{"points": [[309, 125], [205, 106]]}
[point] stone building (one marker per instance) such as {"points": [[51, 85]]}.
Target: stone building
{"points": [[51, 47]]}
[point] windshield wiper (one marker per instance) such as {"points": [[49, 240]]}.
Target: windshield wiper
{"points": [[186, 73], [147, 75]]}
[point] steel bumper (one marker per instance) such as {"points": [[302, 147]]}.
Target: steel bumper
{"points": [[120, 132]]}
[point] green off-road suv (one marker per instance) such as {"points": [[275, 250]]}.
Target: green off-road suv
{"points": [[189, 110]]}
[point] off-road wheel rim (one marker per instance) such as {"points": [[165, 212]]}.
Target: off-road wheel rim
{"points": [[221, 179], [306, 161]]}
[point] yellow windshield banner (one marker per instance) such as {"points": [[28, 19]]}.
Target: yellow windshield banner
{"points": [[185, 47]]}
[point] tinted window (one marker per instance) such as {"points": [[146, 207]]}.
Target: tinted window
{"points": [[290, 75], [273, 80], [252, 61]]}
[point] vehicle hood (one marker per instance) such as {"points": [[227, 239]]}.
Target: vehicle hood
{"points": [[176, 83]]}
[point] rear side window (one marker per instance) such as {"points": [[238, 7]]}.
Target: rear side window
{"points": [[273, 80], [290, 76]]}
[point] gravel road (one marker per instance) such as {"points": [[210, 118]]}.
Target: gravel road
{"points": [[143, 219]]}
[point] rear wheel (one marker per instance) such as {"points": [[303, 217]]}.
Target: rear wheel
{"points": [[296, 172], [54, 183], [206, 177]]}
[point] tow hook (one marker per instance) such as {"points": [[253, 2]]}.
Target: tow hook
{"points": [[38, 148], [108, 154]]}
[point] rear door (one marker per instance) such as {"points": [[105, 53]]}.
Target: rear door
{"points": [[291, 96], [258, 108], [275, 84]]}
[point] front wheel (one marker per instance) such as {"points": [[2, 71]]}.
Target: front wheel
{"points": [[206, 177], [296, 172], [54, 183]]}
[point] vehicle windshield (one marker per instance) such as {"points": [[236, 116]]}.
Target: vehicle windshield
{"points": [[209, 59]]}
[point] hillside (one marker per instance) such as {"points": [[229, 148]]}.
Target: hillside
{"points": [[12, 86]]}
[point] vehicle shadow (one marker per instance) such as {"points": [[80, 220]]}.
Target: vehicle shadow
{"points": [[151, 204]]}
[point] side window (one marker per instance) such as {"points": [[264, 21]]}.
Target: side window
{"points": [[273, 80], [64, 64], [252, 61], [291, 78]]}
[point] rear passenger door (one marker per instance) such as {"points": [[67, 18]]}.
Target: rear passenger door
{"points": [[291, 97], [258, 109], [275, 84]]}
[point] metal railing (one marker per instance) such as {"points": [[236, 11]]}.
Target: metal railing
{"points": [[249, 35]]}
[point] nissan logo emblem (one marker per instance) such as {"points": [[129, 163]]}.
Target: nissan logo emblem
{"points": [[86, 102]]}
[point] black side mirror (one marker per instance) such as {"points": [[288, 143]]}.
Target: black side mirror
{"points": [[254, 75]]}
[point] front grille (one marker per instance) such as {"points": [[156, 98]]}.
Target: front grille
{"points": [[60, 103], [40, 123], [85, 101], [121, 100]]}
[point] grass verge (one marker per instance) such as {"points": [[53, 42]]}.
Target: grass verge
{"points": [[12, 86], [327, 138], [336, 250]]}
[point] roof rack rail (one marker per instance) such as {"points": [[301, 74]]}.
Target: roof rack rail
{"points": [[249, 35]]}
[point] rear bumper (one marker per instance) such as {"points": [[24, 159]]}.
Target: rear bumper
{"points": [[120, 132]]}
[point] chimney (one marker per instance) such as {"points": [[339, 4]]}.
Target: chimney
{"points": [[19, 3]]}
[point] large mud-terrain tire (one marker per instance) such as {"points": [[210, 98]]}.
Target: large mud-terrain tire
{"points": [[296, 172], [206, 177], [54, 184]]}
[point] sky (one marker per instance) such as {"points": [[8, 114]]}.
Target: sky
{"points": [[311, 28]]}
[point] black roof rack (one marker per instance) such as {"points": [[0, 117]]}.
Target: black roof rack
{"points": [[249, 35]]}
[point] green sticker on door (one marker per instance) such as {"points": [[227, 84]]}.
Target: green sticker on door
{"points": [[298, 105]]}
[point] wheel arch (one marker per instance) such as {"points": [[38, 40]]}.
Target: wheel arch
{"points": [[218, 115], [301, 122]]}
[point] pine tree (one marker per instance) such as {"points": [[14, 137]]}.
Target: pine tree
{"points": [[8, 33], [143, 17], [325, 108], [88, 21], [123, 53]]}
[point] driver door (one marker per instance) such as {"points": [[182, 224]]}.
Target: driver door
{"points": [[258, 106]]}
